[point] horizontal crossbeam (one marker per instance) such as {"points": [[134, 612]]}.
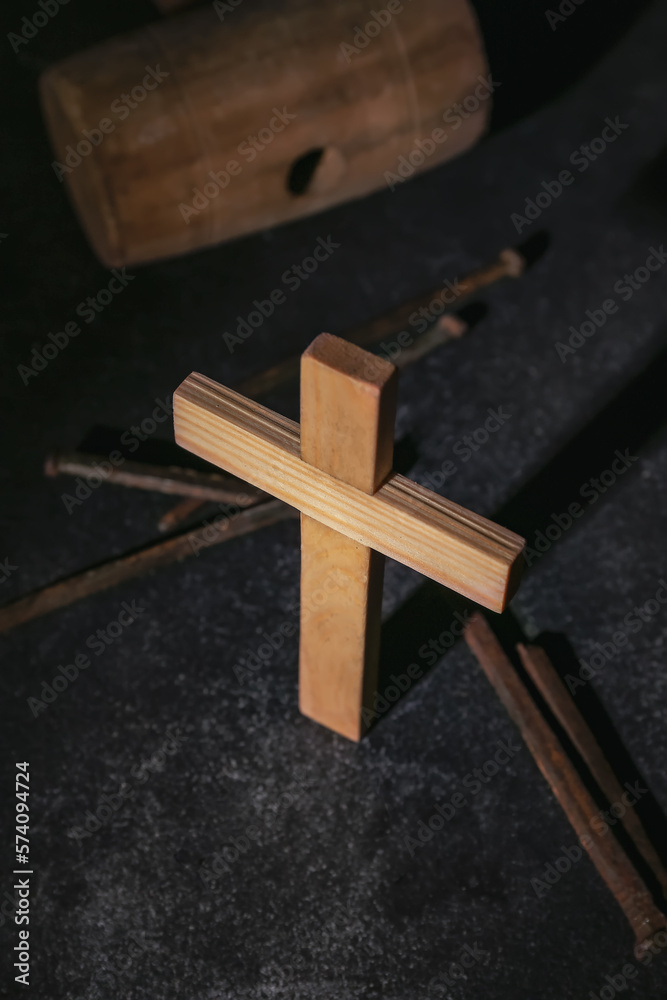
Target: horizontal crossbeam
{"points": [[402, 520]]}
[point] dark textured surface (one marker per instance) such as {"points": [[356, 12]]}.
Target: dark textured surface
{"points": [[328, 899]]}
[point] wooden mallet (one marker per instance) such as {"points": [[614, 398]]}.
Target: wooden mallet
{"points": [[197, 129]]}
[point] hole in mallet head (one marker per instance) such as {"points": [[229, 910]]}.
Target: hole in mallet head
{"points": [[303, 170]]}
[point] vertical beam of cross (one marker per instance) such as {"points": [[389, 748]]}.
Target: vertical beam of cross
{"points": [[336, 470], [348, 408]]}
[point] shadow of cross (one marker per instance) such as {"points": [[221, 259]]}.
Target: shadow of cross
{"points": [[336, 468]]}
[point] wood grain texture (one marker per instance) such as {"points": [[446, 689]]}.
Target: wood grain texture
{"points": [[348, 411], [339, 639], [347, 430], [402, 520], [227, 79]]}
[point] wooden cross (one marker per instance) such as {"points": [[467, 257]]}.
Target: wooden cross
{"points": [[336, 468]]}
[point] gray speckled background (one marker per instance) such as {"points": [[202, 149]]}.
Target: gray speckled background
{"points": [[327, 899]]}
